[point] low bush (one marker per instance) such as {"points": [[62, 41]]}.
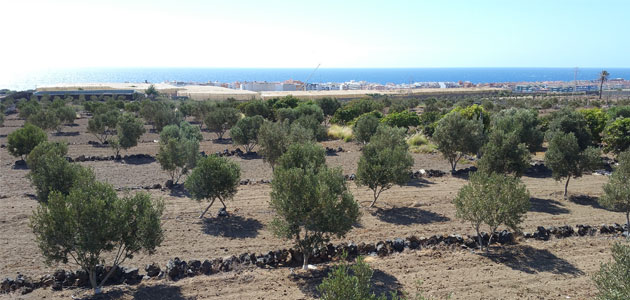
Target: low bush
{"points": [[340, 133]]}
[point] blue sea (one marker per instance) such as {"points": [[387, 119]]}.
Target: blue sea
{"points": [[32, 79]]}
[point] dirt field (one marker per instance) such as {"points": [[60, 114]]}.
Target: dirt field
{"points": [[556, 269]]}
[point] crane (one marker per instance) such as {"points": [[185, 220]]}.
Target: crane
{"points": [[309, 77]]}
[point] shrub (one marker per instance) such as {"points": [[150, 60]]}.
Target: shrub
{"points": [[273, 141], [28, 108], [311, 202], [91, 221], [596, 120], [504, 154], [612, 278], [22, 141], [456, 136], [570, 121], [311, 123], [245, 132], [340, 133], [523, 123], [565, 158], [213, 178], [179, 149], [66, 114], [45, 119], [365, 127], [617, 191], [348, 282], [257, 108], [328, 105], [130, 129], [617, 135], [385, 161], [403, 119], [474, 112], [354, 109], [59, 149], [492, 199], [54, 173], [220, 120]]}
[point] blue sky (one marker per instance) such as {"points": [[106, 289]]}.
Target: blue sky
{"points": [[285, 34]]}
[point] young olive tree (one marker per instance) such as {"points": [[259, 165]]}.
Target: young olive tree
{"points": [[492, 199], [617, 191], [311, 202], [46, 120], [385, 161], [365, 127], [612, 278], [455, 136], [102, 125], [245, 132], [570, 121], [179, 149], [66, 114], [521, 122], [214, 178], [565, 158], [91, 221], [273, 141], [129, 129], [221, 119], [504, 153], [22, 141]]}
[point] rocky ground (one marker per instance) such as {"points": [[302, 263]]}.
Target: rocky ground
{"points": [[531, 269]]}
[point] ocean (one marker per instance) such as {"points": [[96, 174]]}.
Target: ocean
{"points": [[32, 79]]}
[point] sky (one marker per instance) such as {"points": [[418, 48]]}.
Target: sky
{"points": [[302, 34]]}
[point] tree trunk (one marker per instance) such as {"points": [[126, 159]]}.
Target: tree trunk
{"points": [[601, 86], [479, 240], [92, 274], [628, 221], [375, 198], [206, 210], [305, 264], [566, 186], [223, 203]]}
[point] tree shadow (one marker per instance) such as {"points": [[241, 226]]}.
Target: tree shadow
{"points": [[233, 226], [160, 291], [139, 161], [531, 260], [419, 182], [586, 200], [385, 284], [179, 191], [409, 216], [308, 282], [547, 206], [70, 133], [223, 141]]}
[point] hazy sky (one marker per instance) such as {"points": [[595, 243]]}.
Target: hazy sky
{"points": [[230, 33]]}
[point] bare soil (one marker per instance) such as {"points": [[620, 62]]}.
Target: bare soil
{"points": [[556, 269]]}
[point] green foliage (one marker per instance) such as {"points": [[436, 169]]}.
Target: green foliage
{"points": [[221, 119], [42, 149], [22, 141], [66, 114], [596, 120], [340, 133], [102, 125], [612, 278], [428, 121], [565, 158], [160, 113], [273, 141], [245, 132], [179, 149], [355, 108], [570, 121], [257, 108], [365, 127], [45, 119], [285, 102], [404, 119], [455, 136], [28, 108], [494, 200], [617, 191], [53, 173], [91, 221], [132, 107], [328, 105], [523, 123], [213, 178], [385, 161], [313, 125], [617, 135], [347, 282], [474, 112], [618, 112], [311, 202], [129, 129], [151, 92], [505, 154]]}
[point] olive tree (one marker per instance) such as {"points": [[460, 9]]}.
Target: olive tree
{"points": [[22, 141], [179, 149], [102, 125], [385, 161], [565, 158], [612, 278], [46, 120], [245, 132], [617, 191], [91, 221], [504, 153], [365, 127], [66, 114], [311, 202], [455, 136], [273, 141], [213, 178], [570, 121], [521, 122], [129, 130], [54, 173], [221, 119], [494, 200]]}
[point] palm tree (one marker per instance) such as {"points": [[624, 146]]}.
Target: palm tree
{"points": [[603, 76]]}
